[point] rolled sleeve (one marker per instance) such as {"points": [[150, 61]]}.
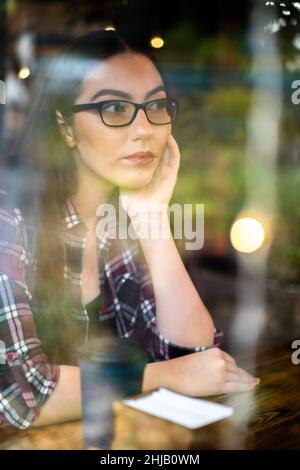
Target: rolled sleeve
{"points": [[24, 388], [164, 349], [158, 346], [26, 378]]}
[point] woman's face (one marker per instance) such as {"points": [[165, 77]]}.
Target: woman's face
{"points": [[100, 150]]}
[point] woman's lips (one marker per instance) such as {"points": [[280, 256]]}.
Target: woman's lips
{"points": [[143, 158]]}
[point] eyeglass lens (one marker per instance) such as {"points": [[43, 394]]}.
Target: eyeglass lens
{"points": [[118, 113]]}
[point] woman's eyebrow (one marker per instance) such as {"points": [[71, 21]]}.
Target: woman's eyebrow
{"points": [[123, 94]]}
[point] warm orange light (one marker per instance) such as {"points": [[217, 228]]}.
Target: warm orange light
{"points": [[24, 72], [247, 234], [157, 42]]}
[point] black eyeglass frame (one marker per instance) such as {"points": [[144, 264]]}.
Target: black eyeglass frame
{"points": [[76, 108]]}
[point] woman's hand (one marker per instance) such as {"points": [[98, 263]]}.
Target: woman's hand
{"points": [[158, 192], [209, 372]]}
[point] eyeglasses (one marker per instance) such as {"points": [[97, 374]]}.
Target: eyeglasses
{"points": [[118, 113]]}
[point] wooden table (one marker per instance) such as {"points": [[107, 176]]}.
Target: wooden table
{"points": [[268, 418]]}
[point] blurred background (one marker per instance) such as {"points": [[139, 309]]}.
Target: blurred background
{"points": [[234, 65]]}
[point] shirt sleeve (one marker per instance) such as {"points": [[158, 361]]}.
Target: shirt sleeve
{"points": [[158, 346], [26, 378]]}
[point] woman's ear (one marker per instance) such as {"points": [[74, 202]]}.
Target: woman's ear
{"points": [[66, 130]]}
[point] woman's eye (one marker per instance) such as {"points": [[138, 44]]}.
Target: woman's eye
{"points": [[157, 105], [115, 107]]}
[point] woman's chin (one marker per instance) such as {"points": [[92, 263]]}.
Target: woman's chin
{"points": [[135, 184], [132, 186]]}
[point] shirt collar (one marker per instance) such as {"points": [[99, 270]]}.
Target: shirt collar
{"points": [[71, 217]]}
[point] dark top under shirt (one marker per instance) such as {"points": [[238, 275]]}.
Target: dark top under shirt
{"points": [[96, 326]]}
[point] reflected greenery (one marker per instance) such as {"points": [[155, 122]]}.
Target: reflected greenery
{"points": [[211, 130]]}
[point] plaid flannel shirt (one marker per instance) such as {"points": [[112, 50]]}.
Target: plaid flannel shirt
{"points": [[27, 378]]}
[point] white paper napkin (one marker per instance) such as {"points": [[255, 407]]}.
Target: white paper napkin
{"points": [[181, 409]]}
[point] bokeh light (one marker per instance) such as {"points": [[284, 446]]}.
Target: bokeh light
{"points": [[247, 234], [157, 42], [24, 72]]}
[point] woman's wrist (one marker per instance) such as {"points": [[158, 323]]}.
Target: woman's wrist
{"points": [[151, 223], [158, 374]]}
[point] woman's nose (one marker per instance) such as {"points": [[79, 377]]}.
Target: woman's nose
{"points": [[140, 125]]}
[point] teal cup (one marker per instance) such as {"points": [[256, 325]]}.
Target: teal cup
{"points": [[111, 368]]}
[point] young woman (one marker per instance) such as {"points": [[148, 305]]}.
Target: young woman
{"points": [[98, 132]]}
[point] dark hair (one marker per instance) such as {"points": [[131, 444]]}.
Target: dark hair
{"points": [[47, 176]]}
